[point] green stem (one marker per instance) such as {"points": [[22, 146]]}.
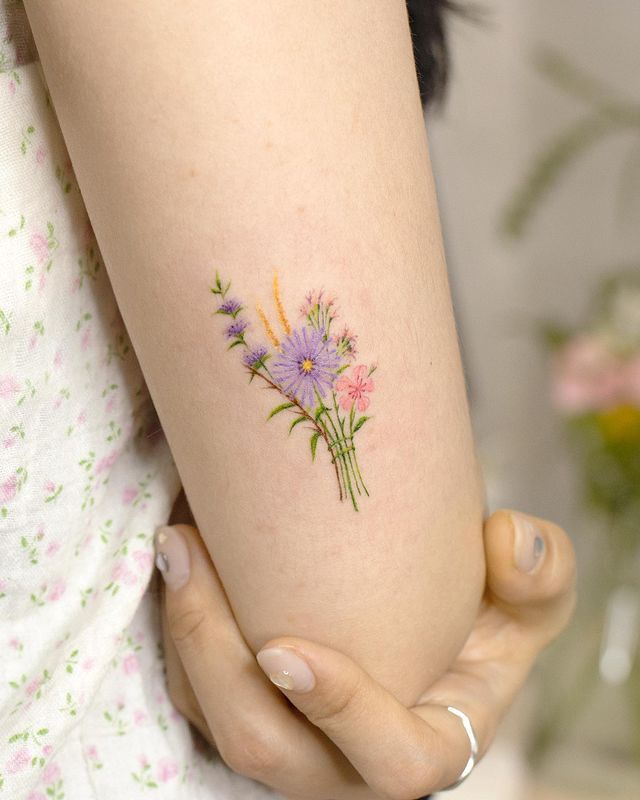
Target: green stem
{"points": [[336, 462], [355, 455], [349, 440], [342, 455], [340, 452], [302, 410]]}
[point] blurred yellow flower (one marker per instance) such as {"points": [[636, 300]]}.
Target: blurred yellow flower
{"points": [[620, 424]]}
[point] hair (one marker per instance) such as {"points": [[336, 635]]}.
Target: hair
{"points": [[428, 22]]}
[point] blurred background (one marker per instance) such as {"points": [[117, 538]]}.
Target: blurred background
{"points": [[536, 153]]}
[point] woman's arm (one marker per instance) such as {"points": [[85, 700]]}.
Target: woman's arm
{"points": [[252, 137]]}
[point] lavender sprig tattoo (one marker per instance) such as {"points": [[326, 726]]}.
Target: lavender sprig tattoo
{"points": [[312, 369]]}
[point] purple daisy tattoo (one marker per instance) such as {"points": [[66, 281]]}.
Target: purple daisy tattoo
{"points": [[308, 365]]}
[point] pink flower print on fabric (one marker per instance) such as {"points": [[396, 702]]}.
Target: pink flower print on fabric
{"points": [[57, 590], [129, 494], [355, 389], [121, 572], [106, 462], [51, 773], [8, 386], [131, 665], [52, 548], [143, 560], [8, 489], [38, 242], [18, 761], [85, 341], [167, 769]]}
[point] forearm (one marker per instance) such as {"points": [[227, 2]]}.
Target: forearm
{"points": [[246, 138]]}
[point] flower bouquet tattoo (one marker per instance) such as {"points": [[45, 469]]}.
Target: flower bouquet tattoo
{"points": [[312, 369]]}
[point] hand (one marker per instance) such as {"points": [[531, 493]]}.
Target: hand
{"points": [[361, 742]]}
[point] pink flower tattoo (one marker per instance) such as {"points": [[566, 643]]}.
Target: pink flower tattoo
{"points": [[355, 388]]}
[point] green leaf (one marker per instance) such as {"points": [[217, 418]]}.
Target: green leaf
{"points": [[278, 409], [235, 344], [314, 443], [296, 422], [359, 424]]}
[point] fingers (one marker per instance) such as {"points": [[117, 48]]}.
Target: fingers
{"points": [[530, 569], [252, 725], [398, 753], [203, 630], [180, 691]]}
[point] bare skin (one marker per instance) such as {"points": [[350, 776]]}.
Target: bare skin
{"points": [[252, 137]]}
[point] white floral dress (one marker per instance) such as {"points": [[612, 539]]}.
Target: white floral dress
{"points": [[84, 480]]}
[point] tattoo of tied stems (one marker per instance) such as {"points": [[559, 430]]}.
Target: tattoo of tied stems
{"points": [[312, 367]]}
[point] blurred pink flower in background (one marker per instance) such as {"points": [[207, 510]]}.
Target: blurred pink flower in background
{"points": [[632, 380], [587, 376]]}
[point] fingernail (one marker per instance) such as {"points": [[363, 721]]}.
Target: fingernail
{"points": [[286, 669], [172, 556], [529, 543]]}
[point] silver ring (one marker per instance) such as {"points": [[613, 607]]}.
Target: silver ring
{"points": [[473, 742]]}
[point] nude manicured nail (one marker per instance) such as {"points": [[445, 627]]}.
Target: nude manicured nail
{"points": [[172, 556], [286, 669], [529, 545]]}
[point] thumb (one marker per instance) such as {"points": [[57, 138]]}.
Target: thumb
{"points": [[531, 569]]}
